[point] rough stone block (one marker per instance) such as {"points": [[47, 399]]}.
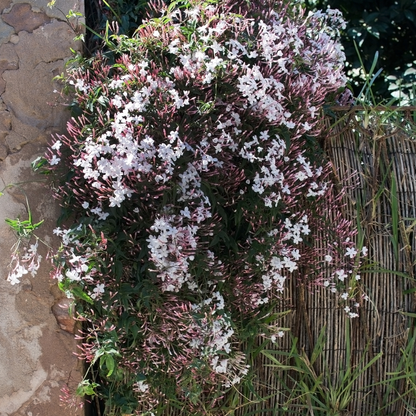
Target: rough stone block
{"points": [[23, 84], [48, 43], [65, 319], [3, 152], [15, 141], [5, 120], [36, 355], [4, 4], [8, 57], [59, 11], [21, 17], [5, 32]]}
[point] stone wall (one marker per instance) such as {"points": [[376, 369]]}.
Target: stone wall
{"points": [[36, 354]]}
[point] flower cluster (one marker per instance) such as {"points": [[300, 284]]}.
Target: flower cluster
{"points": [[197, 190], [26, 263]]}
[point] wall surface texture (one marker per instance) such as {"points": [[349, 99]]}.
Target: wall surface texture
{"points": [[36, 354]]}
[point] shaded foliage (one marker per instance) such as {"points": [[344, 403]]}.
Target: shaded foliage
{"points": [[120, 16], [384, 26]]}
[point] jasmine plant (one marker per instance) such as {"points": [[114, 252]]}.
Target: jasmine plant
{"points": [[193, 188]]}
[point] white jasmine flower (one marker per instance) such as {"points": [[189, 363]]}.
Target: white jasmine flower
{"points": [[57, 145], [341, 274], [57, 231], [55, 160], [142, 386], [351, 252], [97, 291]]}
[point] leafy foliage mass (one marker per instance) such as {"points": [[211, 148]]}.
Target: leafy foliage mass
{"points": [[385, 27], [120, 16], [194, 188]]}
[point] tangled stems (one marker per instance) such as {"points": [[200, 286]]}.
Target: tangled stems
{"points": [[196, 191]]}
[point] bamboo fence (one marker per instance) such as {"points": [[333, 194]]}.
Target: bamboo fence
{"points": [[373, 153], [378, 145]]}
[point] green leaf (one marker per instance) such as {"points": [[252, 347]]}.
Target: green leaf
{"points": [[79, 293], [410, 71], [12, 223], [395, 217], [410, 314], [86, 388], [109, 363], [393, 272], [409, 15]]}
